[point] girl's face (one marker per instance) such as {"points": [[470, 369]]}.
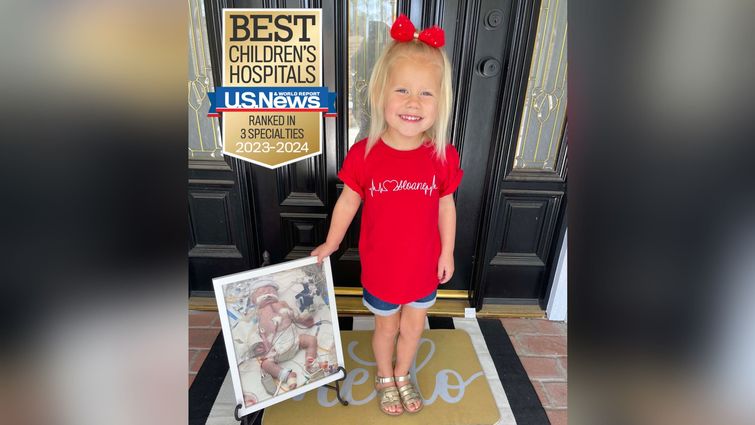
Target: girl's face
{"points": [[411, 98]]}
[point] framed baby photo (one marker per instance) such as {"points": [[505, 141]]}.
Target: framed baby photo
{"points": [[280, 327]]}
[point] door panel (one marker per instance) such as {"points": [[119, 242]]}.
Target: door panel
{"points": [[523, 237], [210, 215], [304, 231], [297, 186], [290, 208], [528, 220], [218, 238], [518, 287]]}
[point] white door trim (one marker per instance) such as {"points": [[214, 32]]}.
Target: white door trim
{"points": [[557, 303]]}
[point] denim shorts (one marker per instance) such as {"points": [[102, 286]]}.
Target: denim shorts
{"points": [[383, 308]]}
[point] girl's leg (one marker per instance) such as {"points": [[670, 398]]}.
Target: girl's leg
{"points": [[411, 326], [383, 343]]}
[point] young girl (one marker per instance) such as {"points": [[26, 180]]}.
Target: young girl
{"points": [[406, 173]]}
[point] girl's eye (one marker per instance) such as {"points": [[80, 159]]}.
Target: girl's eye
{"points": [[426, 93], [402, 91]]}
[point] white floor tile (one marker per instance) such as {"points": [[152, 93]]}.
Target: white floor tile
{"points": [[473, 329], [367, 323], [507, 418], [364, 323], [487, 364], [498, 393]]}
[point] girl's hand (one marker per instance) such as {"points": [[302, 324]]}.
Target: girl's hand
{"points": [[445, 267], [323, 251]]}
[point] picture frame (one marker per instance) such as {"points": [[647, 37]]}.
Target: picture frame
{"points": [[275, 320]]}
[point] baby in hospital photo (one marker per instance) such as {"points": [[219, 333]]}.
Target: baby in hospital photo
{"points": [[282, 332]]}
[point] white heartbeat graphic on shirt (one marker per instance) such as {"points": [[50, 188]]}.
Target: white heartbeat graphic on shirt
{"points": [[392, 185]]}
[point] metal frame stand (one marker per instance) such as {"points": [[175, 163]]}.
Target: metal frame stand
{"points": [[337, 388], [250, 418], [245, 420]]}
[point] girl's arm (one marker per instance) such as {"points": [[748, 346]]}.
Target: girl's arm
{"points": [[447, 227], [343, 213]]}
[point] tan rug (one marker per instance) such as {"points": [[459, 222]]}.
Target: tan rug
{"points": [[450, 379]]}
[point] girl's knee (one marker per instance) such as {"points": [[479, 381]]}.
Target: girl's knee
{"points": [[412, 328], [386, 326]]}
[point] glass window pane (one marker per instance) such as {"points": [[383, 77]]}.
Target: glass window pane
{"points": [[369, 28], [544, 110], [204, 132]]}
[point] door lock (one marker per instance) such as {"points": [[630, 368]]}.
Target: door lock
{"points": [[494, 19], [489, 67]]}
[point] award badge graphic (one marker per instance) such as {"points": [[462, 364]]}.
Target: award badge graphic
{"points": [[272, 100]]}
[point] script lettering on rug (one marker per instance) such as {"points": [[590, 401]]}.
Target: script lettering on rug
{"points": [[446, 380]]}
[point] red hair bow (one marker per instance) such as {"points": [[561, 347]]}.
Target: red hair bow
{"points": [[403, 30]]}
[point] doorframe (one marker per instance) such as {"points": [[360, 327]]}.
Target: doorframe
{"points": [[557, 300]]}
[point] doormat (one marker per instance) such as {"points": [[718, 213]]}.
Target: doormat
{"points": [[449, 377]]}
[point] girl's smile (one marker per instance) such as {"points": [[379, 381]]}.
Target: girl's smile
{"points": [[410, 118]]}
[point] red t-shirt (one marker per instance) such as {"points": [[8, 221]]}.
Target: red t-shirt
{"points": [[399, 242]]}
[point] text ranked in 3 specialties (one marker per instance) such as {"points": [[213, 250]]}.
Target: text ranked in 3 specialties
{"points": [[268, 133]]}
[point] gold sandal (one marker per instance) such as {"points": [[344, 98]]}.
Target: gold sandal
{"points": [[388, 396], [409, 394]]}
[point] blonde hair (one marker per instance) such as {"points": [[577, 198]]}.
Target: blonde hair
{"points": [[439, 131]]}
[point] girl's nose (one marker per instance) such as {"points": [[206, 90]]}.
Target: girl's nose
{"points": [[413, 100]]}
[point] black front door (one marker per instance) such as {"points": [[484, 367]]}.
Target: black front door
{"points": [[221, 230], [290, 207]]}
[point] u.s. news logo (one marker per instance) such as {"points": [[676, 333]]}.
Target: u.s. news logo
{"points": [[272, 99]]}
